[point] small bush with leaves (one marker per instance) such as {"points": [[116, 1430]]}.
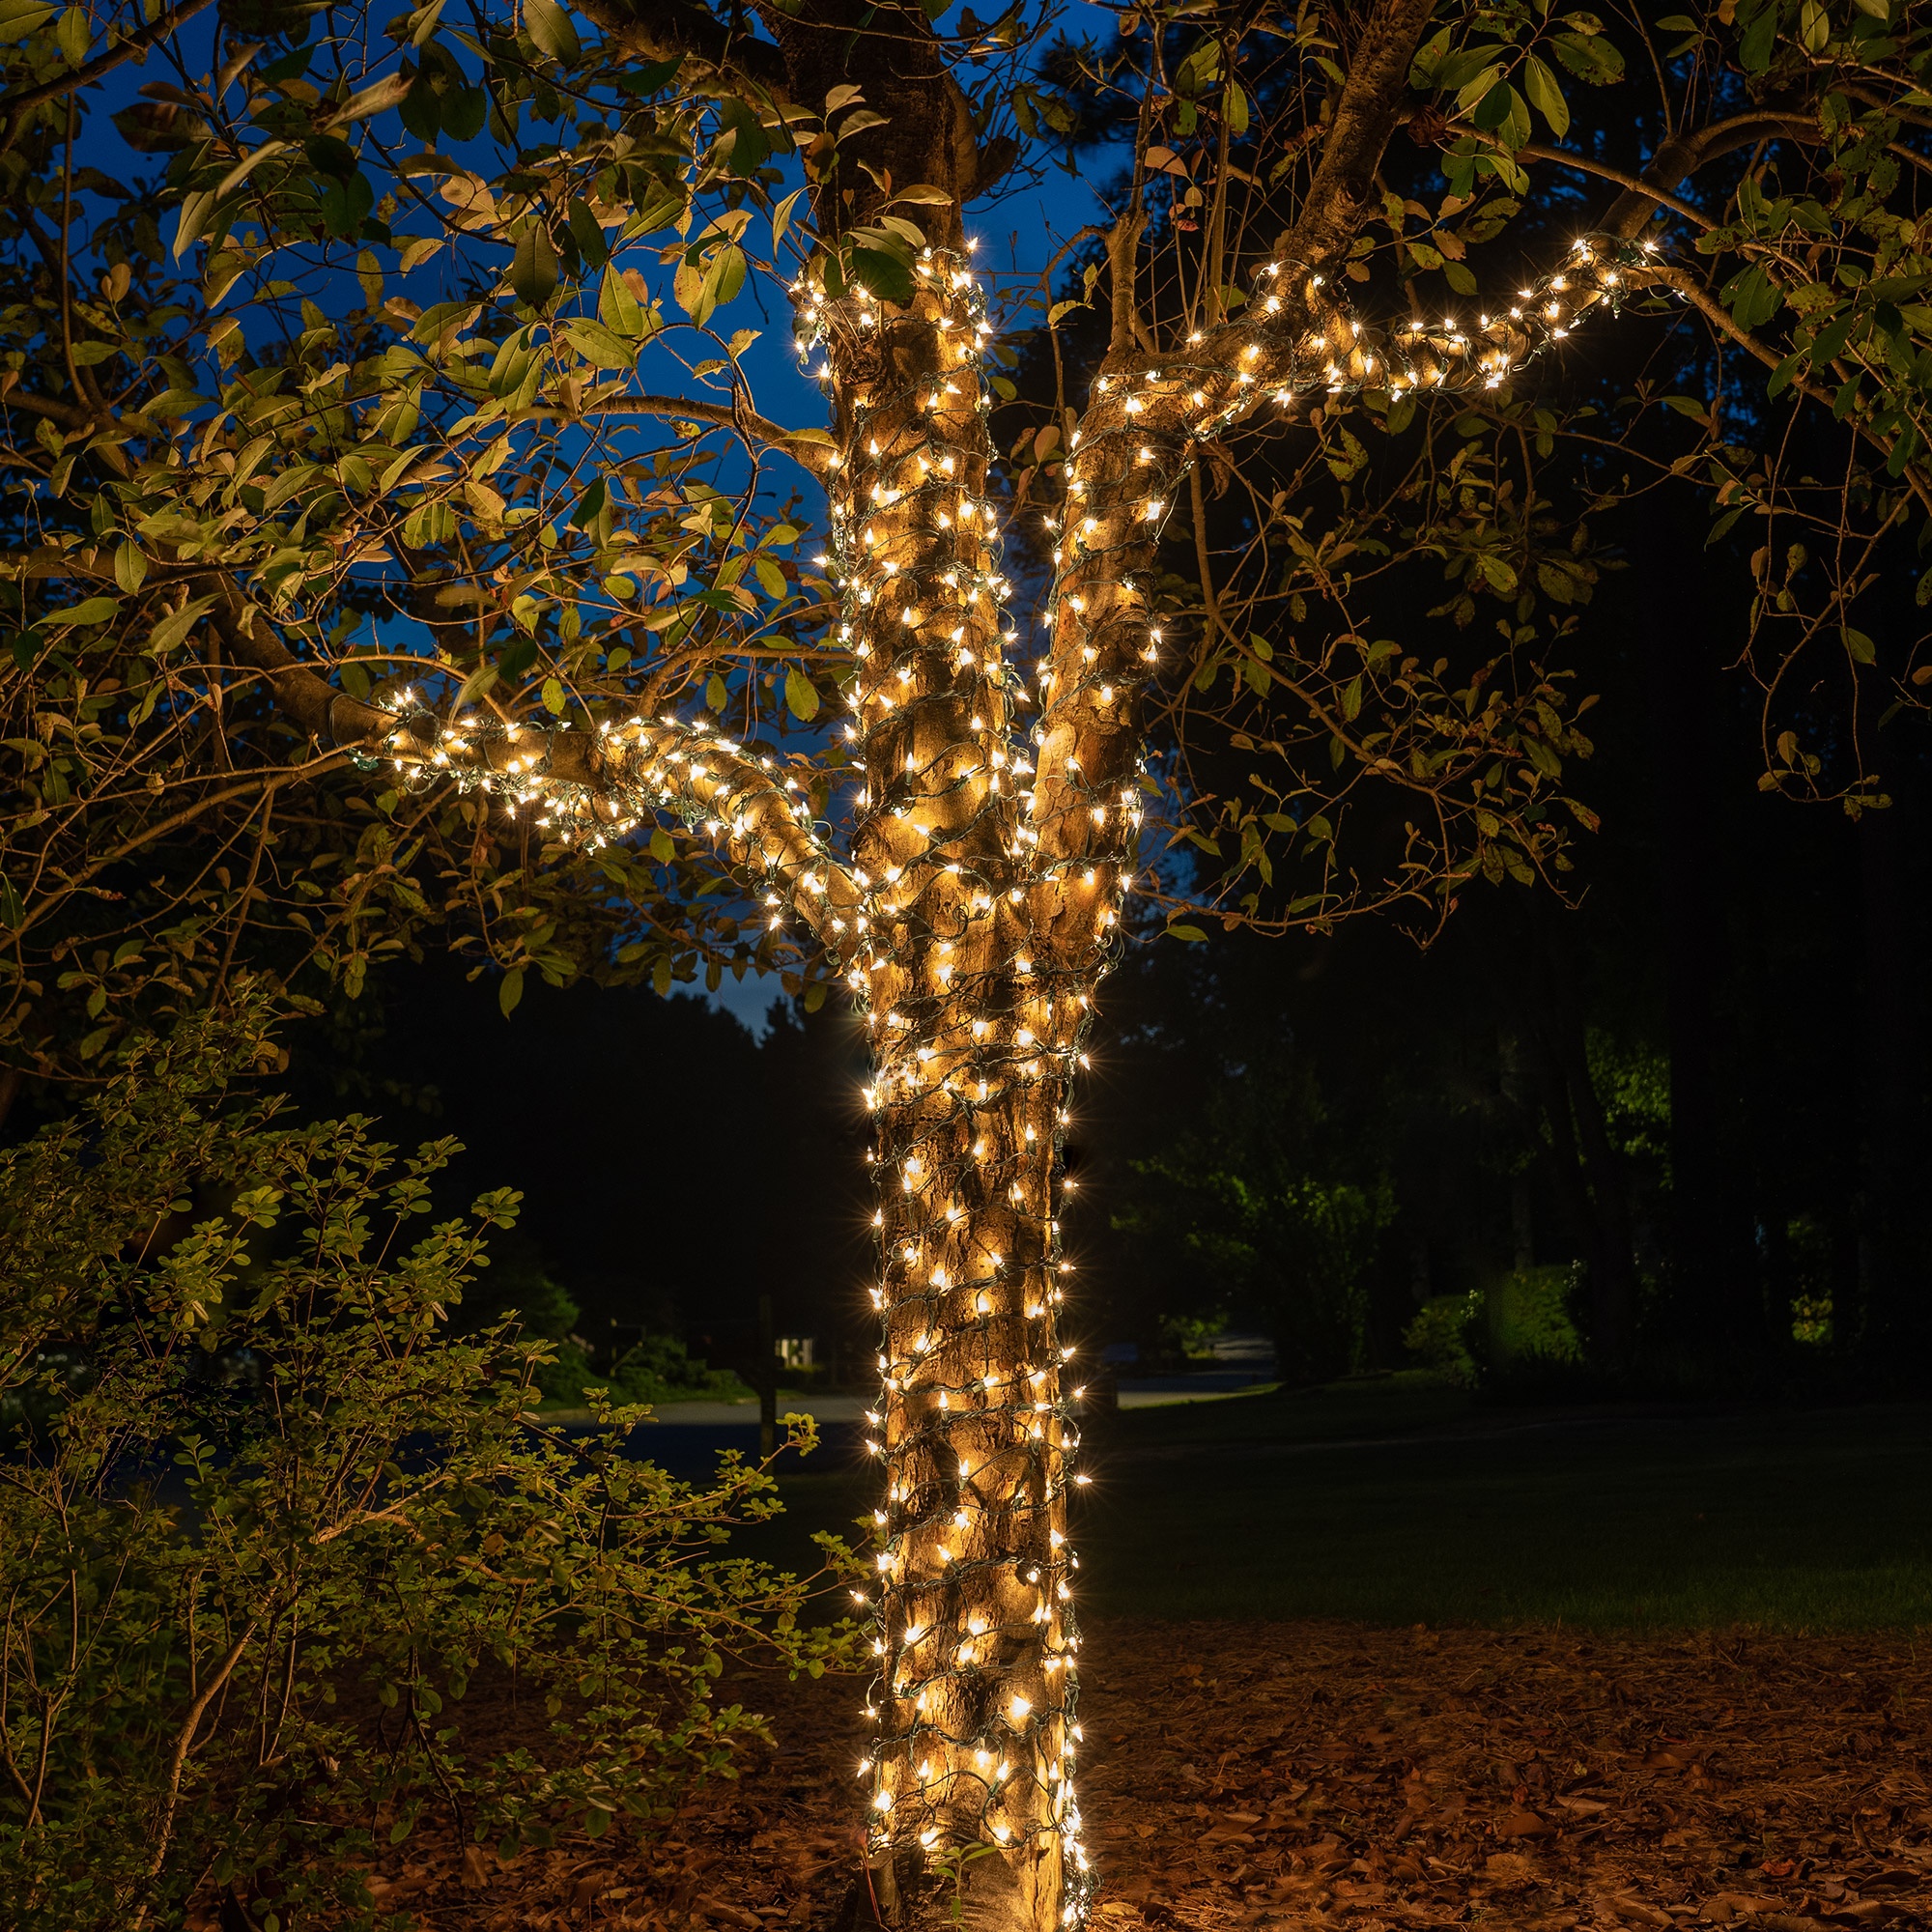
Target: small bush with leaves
{"points": [[259, 1548]]}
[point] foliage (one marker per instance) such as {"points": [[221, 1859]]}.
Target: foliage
{"points": [[349, 374], [1438, 1338], [656, 1369], [268, 1555], [1515, 1332], [1251, 1214], [1326, 753]]}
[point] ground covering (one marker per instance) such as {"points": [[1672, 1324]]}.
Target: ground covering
{"points": [[1321, 1774], [1613, 1668]]}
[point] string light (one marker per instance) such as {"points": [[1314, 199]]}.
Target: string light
{"points": [[978, 910]]}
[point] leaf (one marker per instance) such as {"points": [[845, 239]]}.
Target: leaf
{"points": [[90, 610], [662, 848], [533, 272], [1753, 296], [189, 224], [509, 991], [72, 36], [170, 631], [801, 698], [21, 17], [549, 26], [723, 277], [924, 193], [618, 308], [1862, 648], [1188, 932], [130, 567], [601, 346], [782, 217], [888, 277], [1546, 96], [10, 905], [588, 233]]}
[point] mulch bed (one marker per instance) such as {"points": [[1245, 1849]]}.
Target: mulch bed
{"points": [[1297, 1774]]}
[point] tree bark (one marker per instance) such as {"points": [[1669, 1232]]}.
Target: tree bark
{"points": [[978, 909]]}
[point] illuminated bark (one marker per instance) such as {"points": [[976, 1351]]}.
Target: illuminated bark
{"points": [[973, 915]]}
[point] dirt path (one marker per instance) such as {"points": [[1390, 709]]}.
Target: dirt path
{"points": [[1322, 1775]]}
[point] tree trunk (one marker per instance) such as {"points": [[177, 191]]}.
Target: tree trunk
{"points": [[975, 964], [980, 904]]}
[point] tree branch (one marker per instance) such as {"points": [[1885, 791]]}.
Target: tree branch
{"points": [[1684, 155], [622, 777], [677, 30], [1365, 117], [18, 106], [753, 427]]}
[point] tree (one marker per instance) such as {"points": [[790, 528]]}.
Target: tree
{"points": [[269, 538]]}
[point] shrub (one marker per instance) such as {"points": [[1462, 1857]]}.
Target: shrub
{"points": [[260, 1549], [1516, 1334]]}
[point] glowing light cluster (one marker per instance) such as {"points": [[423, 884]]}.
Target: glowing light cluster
{"points": [[973, 921], [975, 1037]]}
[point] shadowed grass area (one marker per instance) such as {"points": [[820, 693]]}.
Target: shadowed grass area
{"points": [[1400, 1501], [1288, 1506]]}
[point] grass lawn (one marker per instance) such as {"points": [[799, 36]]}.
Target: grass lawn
{"points": [[1398, 1502]]}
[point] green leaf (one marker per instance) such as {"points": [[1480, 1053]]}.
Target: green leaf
{"points": [[90, 610], [723, 277], [510, 990], [588, 233], [1751, 295], [782, 217], [21, 17], [549, 26], [617, 308], [10, 910], [1188, 932], [130, 567], [601, 346], [533, 272], [662, 848], [72, 36], [800, 695], [1862, 648], [1759, 37], [1546, 96], [889, 278]]}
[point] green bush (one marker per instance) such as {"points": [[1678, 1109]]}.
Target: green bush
{"points": [[262, 1551], [1516, 1333], [1438, 1338]]}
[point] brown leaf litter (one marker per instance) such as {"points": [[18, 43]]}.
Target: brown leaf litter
{"points": [[1324, 1775]]}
